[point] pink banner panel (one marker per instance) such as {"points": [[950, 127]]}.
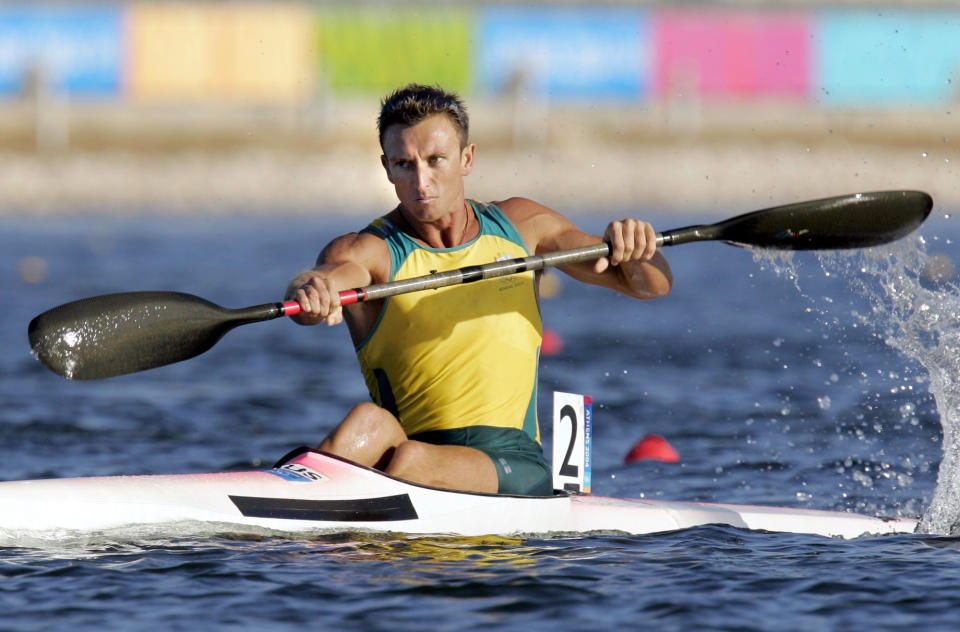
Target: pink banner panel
{"points": [[732, 54]]}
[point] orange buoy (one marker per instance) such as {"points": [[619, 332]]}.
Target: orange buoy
{"points": [[652, 447]]}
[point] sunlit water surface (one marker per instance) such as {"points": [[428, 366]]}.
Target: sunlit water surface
{"points": [[799, 380]]}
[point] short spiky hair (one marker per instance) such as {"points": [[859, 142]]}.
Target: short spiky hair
{"points": [[414, 102]]}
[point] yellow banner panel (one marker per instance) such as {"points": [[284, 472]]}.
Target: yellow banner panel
{"points": [[261, 53]]}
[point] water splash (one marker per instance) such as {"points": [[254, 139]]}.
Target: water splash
{"points": [[916, 308], [913, 306]]}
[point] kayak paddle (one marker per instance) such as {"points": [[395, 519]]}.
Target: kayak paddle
{"points": [[116, 334]]}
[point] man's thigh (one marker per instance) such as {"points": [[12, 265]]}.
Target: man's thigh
{"points": [[447, 466]]}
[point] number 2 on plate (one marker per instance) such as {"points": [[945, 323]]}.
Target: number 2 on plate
{"points": [[572, 442]]}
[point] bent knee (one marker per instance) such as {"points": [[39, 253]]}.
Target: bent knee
{"points": [[367, 435], [367, 409], [368, 417]]}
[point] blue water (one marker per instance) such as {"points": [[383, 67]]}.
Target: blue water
{"points": [[799, 381]]}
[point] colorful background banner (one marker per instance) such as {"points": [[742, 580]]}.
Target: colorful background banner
{"points": [[258, 53], [293, 52], [78, 50], [563, 53], [733, 54], [376, 49], [891, 57]]}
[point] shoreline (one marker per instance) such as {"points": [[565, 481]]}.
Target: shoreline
{"points": [[673, 158]]}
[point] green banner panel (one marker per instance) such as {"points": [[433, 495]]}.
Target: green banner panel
{"points": [[376, 50]]}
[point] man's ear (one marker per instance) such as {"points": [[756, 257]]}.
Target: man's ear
{"points": [[386, 166], [466, 159]]}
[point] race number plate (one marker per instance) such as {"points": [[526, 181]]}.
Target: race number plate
{"points": [[572, 441]]}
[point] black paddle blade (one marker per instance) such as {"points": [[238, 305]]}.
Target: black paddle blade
{"points": [[116, 334], [858, 220]]}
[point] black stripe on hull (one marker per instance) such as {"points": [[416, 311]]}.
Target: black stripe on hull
{"points": [[382, 509]]}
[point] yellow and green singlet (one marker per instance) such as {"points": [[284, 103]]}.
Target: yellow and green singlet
{"points": [[458, 356]]}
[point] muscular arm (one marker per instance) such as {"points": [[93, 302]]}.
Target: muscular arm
{"points": [[635, 268], [350, 261]]}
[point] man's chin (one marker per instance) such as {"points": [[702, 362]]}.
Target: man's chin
{"points": [[425, 209]]}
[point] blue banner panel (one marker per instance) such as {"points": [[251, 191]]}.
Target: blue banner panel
{"points": [[563, 53], [888, 57], [77, 50]]}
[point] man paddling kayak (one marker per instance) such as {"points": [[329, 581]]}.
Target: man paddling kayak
{"points": [[453, 372]]}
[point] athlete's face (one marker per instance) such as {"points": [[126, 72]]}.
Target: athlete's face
{"points": [[426, 166]]}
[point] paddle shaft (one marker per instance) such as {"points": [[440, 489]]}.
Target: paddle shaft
{"points": [[467, 274]]}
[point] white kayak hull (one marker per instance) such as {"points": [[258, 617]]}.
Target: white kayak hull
{"points": [[313, 493]]}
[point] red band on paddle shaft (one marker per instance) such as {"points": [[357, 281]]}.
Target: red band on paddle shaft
{"points": [[349, 297]]}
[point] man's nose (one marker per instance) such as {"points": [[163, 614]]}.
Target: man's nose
{"points": [[422, 176]]}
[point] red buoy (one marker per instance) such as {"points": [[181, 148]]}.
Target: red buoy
{"points": [[552, 343], [652, 447]]}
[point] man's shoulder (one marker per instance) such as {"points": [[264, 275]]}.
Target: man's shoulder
{"points": [[523, 211], [358, 246], [533, 220], [519, 209], [513, 204]]}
